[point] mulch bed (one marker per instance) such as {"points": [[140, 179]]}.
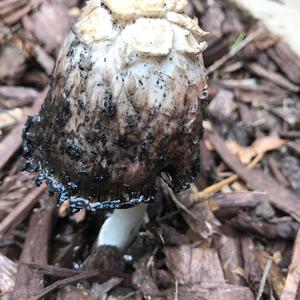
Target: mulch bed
{"points": [[233, 235]]}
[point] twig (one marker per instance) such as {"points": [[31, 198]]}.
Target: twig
{"points": [[250, 38], [176, 290], [264, 277], [207, 192], [59, 272], [53, 271], [63, 282], [129, 295], [151, 259], [180, 205], [210, 190], [293, 278]]}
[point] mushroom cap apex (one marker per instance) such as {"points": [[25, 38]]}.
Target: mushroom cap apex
{"points": [[128, 9]]}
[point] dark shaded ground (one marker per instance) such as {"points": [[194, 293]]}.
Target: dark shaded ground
{"points": [[233, 235]]}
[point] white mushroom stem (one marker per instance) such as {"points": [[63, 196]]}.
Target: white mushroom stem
{"points": [[122, 226]]}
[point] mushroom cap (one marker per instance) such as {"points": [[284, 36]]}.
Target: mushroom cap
{"points": [[125, 106]]}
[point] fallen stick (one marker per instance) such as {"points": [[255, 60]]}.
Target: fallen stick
{"points": [[264, 278]]}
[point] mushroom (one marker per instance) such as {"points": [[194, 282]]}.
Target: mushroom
{"points": [[125, 107]]}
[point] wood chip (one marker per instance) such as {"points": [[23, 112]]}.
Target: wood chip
{"points": [[287, 61], [295, 147], [101, 290], [144, 281], [12, 62], [290, 134], [35, 250], [8, 270], [63, 282], [197, 213], [49, 24], [277, 172], [276, 78], [228, 247], [45, 60], [11, 117], [189, 265], [253, 272], [16, 96], [211, 292], [21, 211], [222, 105], [274, 275], [197, 277], [279, 196], [293, 278], [12, 142]]}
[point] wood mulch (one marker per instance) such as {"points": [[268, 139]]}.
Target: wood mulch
{"points": [[233, 235]]}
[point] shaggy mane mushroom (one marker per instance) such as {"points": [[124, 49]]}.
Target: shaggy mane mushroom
{"points": [[125, 106]]}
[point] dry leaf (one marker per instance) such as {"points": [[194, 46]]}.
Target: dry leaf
{"points": [[245, 154], [259, 147], [267, 143]]}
